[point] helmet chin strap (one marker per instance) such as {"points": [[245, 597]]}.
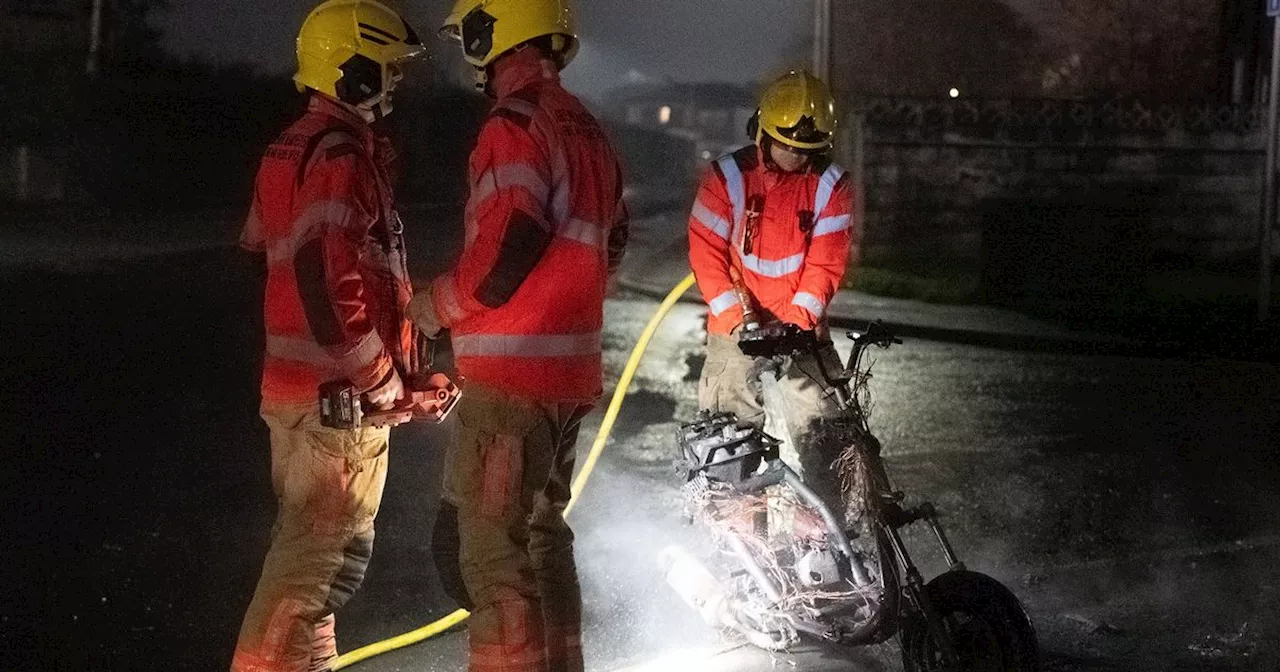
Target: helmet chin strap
{"points": [[482, 81], [375, 109], [378, 107]]}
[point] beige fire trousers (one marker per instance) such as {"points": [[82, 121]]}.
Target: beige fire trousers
{"points": [[328, 483], [506, 485], [724, 387]]}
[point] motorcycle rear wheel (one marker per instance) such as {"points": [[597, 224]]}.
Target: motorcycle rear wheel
{"points": [[985, 623]]}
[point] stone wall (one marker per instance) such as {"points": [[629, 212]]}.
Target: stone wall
{"points": [[1088, 194]]}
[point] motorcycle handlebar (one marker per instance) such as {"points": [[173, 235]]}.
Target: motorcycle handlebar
{"points": [[875, 334]]}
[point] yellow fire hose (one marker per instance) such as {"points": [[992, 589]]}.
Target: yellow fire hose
{"points": [[615, 405]]}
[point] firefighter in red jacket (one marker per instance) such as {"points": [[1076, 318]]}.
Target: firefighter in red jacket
{"points": [[336, 295], [778, 215], [545, 227]]}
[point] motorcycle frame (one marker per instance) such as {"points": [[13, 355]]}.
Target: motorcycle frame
{"points": [[887, 520]]}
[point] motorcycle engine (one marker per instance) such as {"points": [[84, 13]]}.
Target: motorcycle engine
{"points": [[818, 567]]}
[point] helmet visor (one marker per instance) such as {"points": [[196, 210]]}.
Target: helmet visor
{"points": [[805, 132]]}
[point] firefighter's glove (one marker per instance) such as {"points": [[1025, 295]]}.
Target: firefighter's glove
{"points": [[765, 366], [423, 314], [385, 394]]}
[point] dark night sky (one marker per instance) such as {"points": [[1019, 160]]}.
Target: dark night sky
{"points": [[728, 40]]}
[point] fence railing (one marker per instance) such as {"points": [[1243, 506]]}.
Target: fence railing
{"points": [[1021, 116]]}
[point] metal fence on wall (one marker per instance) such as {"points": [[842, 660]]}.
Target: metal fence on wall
{"points": [[1053, 117]]}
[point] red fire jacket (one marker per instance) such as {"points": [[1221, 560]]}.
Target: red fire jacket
{"points": [[789, 236], [545, 227], [337, 285]]}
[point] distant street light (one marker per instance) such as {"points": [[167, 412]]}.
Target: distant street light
{"points": [[664, 114], [954, 92]]}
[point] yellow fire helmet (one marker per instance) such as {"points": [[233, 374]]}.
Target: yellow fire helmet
{"points": [[347, 49], [797, 110], [488, 29]]}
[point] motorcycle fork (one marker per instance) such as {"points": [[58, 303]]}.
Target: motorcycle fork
{"points": [[918, 596]]}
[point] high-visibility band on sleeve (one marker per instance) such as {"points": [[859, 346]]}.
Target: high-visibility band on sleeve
{"points": [[810, 303], [735, 185], [834, 224], [582, 231], [506, 177], [527, 345], [723, 302], [710, 220], [826, 187], [301, 350], [560, 209], [316, 216], [773, 268]]}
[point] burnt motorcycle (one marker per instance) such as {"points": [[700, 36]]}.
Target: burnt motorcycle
{"points": [[782, 565]]}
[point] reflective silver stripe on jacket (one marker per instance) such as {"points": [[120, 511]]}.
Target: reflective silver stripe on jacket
{"points": [[833, 224], [527, 345], [736, 185], [306, 227], [737, 188], [505, 177], [710, 220], [826, 187], [310, 352], [582, 231], [723, 302], [773, 268], [810, 303], [490, 182]]}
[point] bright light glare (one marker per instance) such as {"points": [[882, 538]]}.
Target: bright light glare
{"points": [[664, 114], [955, 93]]}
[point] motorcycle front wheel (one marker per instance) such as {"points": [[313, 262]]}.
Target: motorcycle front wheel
{"points": [[984, 622]]}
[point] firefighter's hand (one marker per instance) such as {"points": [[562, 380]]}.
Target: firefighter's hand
{"points": [[385, 395], [423, 313]]}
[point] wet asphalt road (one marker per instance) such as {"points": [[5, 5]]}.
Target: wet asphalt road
{"points": [[1128, 502]]}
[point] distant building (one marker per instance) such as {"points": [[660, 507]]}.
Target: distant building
{"points": [[712, 117]]}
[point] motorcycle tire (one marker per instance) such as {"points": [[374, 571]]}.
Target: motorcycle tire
{"points": [[985, 623]]}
